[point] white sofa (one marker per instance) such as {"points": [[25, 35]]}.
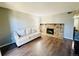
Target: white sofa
{"points": [[26, 38]]}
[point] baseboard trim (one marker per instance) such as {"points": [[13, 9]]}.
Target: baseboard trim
{"points": [[0, 53], [68, 39], [6, 44], [4, 49]]}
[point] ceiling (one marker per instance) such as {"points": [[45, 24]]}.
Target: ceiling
{"points": [[41, 8]]}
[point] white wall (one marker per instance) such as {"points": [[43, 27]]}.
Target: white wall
{"points": [[76, 23], [67, 19], [22, 20]]}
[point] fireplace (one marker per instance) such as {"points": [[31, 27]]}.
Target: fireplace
{"points": [[50, 31], [53, 29]]}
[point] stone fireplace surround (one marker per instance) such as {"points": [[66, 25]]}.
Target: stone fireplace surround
{"points": [[57, 27]]}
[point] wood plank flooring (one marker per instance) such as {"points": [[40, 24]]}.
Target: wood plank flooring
{"points": [[44, 46]]}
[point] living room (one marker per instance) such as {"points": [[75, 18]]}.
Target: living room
{"points": [[36, 26]]}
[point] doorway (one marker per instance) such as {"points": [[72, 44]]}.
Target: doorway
{"points": [[76, 35]]}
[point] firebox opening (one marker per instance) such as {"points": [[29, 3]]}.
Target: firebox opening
{"points": [[50, 31]]}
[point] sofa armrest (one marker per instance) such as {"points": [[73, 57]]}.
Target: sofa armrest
{"points": [[16, 36]]}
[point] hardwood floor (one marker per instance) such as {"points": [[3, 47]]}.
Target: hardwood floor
{"points": [[44, 46]]}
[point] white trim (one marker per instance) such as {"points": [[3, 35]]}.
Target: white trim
{"points": [[6, 44], [0, 53], [68, 38]]}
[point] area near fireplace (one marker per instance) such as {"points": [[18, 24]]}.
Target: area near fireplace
{"points": [[53, 29]]}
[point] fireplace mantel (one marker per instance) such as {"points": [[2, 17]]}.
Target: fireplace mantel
{"points": [[58, 29], [51, 23]]}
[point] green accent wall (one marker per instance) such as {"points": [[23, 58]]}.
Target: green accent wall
{"points": [[5, 32]]}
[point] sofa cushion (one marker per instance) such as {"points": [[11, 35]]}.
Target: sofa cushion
{"points": [[20, 32], [34, 30], [28, 31]]}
